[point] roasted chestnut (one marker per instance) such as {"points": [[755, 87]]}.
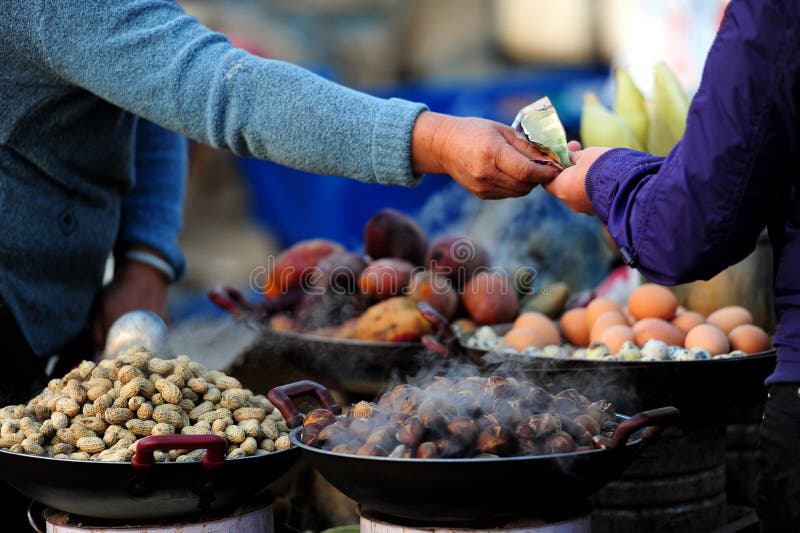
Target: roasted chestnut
{"points": [[500, 387], [411, 433], [448, 447], [588, 423], [401, 451], [384, 437], [334, 435], [322, 417], [372, 449], [361, 427], [601, 442], [363, 410], [558, 442], [344, 448], [440, 384], [463, 430], [538, 426], [427, 450], [578, 433], [496, 440], [537, 399], [406, 399], [434, 412], [487, 421], [310, 434], [508, 412]]}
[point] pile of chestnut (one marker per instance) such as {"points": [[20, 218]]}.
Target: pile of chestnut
{"points": [[464, 418]]}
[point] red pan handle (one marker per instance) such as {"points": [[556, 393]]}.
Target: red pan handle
{"points": [[281, 397], [654, 420], [214, 445], [432, 343], [232, 301]]}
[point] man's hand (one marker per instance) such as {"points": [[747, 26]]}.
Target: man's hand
{"points": [[486, 158], [570, 185], [135, 286]]}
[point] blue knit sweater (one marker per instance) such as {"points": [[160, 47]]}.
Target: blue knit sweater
{"points": [[75, 75]]}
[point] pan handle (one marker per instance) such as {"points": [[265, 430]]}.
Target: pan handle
{"points": [[35, 519], [231, 300], [654, 420], [214, 445], [281, 397]]}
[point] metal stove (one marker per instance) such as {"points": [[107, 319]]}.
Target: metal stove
{"points": [[576, 521], [254, 517]]}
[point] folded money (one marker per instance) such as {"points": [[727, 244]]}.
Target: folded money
{"points": [[540, 124]]}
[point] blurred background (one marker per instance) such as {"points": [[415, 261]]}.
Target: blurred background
{"points": [[484, 58]]}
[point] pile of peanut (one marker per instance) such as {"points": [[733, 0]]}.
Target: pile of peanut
{"points": [[99, 411]]}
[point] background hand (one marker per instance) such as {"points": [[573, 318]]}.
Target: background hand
{"points": [[135, 286], [485, 157], [570, 185]]}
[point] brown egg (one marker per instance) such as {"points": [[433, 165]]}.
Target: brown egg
{"points": [[652, 301], [540, 323], [598, 306], [605, 321], [658, 329], [628, 316], [521, 338], [686, 320], [749, 339], [615, 336], [727, 318], [708, 338], [575, 326]]}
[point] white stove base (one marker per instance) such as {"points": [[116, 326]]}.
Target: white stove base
{"points": [[581, 524], [259, 520]]}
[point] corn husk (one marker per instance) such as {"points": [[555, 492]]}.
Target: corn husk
{"points": [[669, 111], [630, 106], [602, 127]]}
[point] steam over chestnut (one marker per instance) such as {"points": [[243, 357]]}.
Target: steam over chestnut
{"points": [[472, 416]]}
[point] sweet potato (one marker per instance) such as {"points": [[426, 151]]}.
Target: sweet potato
{"points": [[392, 320]]}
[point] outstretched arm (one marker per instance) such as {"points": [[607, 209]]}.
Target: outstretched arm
{"points": [[700, 209]]}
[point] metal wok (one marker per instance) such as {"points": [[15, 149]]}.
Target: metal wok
{"points": [[456, 490], [144, 490], [713, 389], [355, 366]]}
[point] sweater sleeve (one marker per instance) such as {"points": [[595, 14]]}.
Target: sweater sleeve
{"points": [[152, 211], [702, 208], [152, 59]]}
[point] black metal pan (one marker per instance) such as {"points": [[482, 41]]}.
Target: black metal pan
{"points": [[144, 490], [457, 490], [355, 366], [719, 389]]}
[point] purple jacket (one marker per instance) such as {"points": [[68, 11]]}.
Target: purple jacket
{"points": [[736, 170]]}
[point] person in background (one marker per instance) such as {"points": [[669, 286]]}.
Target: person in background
{"points": [[93, 95], [701, 209]]}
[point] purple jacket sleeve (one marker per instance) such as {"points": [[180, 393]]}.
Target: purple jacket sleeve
{"points": [[700, 209]]}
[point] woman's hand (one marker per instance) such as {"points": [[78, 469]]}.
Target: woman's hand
{"points": [[570, 185], [485, 157]]}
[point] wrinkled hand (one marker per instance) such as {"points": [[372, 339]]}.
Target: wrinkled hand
{"points": [[570, 185], [485, 157], [135, 286]]}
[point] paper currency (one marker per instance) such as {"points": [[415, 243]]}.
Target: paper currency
{"points": [[540, 124]]}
